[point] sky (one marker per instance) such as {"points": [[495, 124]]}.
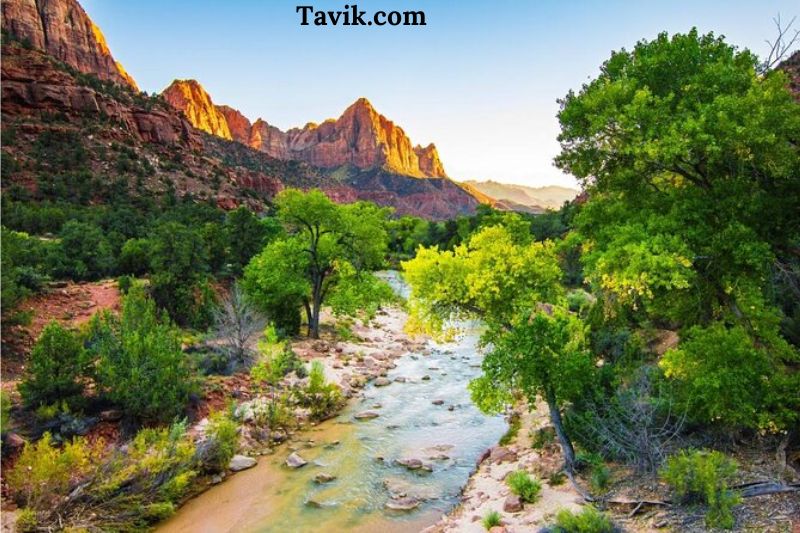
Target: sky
{"points": [[480, 80]]}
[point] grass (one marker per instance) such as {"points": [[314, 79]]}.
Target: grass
{"points": [[492, 519], [523, 485], [588, 520]]}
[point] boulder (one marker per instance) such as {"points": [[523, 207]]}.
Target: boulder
{"points": [[513, 504], [382, 382], [437, 402], [324, 477], [295, 461], [241, 462], [402, 504], [411, 463], [366, 415]]}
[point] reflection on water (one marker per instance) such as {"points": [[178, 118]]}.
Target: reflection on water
{"points": [[361, 454]]}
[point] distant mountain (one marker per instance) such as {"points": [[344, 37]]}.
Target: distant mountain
{"points": [[535, 198], [62, 89]]}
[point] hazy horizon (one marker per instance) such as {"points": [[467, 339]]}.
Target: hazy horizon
{"points": [[480, 80]]}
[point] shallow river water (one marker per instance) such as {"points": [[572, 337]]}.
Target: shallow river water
{"points": [[362, 455]]}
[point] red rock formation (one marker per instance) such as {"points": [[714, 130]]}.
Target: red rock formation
{"points": [[64, 30], [32, 83], [429, 162], [238, 124], [192, 100]]}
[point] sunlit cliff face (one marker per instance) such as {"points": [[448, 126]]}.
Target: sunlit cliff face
{"points": [[360, 137]]}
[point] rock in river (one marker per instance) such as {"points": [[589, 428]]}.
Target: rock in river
{"points": [[403, 504], [382, 382], [295, 461], [366, 415], [241, 462], [324, 477]]}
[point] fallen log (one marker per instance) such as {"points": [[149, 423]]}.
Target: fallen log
{"points": [[749, 490]]}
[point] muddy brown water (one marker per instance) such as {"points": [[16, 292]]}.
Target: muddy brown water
{"points": [[363, 454]]}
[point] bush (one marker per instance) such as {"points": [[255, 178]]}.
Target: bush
{"points": [[524, 486], [124, 284], [57, 363], [141, 366], [588, 520], [599, 474], [83, 252], [44, 474], [492, 519], [322, 398], [704, 476], [513, 429], [134, 258], [222, 438], [5, 411]]}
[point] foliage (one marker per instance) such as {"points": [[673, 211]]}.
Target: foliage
{"points": [[523, 485], [140, 363], [83, 252], [43, 473], [326, 243], [57, 364], [682, 146], [514, 425], [179, 262], [222, 442], [705, 476], [491, 519], [134, 257], [599, 474], [124, 284], [5, 411], [588, 520], [721, 376], [323, 398], [246, 236], [24, 269]]}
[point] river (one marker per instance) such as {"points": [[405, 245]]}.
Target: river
{"points": [[448, 435]]}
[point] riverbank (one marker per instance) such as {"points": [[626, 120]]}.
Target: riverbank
{"points": [[487, 491]]}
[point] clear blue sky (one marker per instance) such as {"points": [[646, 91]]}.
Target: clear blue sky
{"points": [[480, 80]]}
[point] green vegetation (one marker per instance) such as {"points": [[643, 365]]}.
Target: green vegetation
{"points": [[221, 443], [523, 485], [141, 366], [588, 520], [323, 398], [492, 519], [57, 365], [510, 435], [704, 476], [329, 248]]}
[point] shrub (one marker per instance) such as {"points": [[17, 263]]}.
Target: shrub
{"points": [[599, 474], [141, 366], [492, 519], [543, 437], [124, 284], [44, 473], [83, 252], [322, 398], [222, 442], [524, 486], [134, 258], [588, 520], [5, 411], [57, 363], [513, 429], [704, 476]]}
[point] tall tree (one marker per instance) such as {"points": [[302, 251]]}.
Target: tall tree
{"points": [[324, 242]]}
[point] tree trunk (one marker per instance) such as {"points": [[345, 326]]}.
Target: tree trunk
{"points": [[563, 439], [309, 316]]}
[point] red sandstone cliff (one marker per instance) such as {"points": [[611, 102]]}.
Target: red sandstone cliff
{"points": [[64, 30]]}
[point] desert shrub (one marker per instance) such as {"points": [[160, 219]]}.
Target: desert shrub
{"points": [[523, 485], [26, 521], [556, 478], [141, 366], [222, 442], [588, 520], [321, 397], [704, 476], [44, 474], [57, 363], [492, 519], [514, 425]]}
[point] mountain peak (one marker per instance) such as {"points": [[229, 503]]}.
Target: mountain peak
{"points": [[191, 98], [64, 30]]}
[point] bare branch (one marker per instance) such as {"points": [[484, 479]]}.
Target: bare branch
{"points": [[237, 322], [779, 48]]}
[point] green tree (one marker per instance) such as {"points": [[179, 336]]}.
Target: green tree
{"points": [[141, 365], [83, 252], [512, 284], [247, 236], [57, 364], [179, 266], [134, 258], [324, 241], [690, 160]]}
